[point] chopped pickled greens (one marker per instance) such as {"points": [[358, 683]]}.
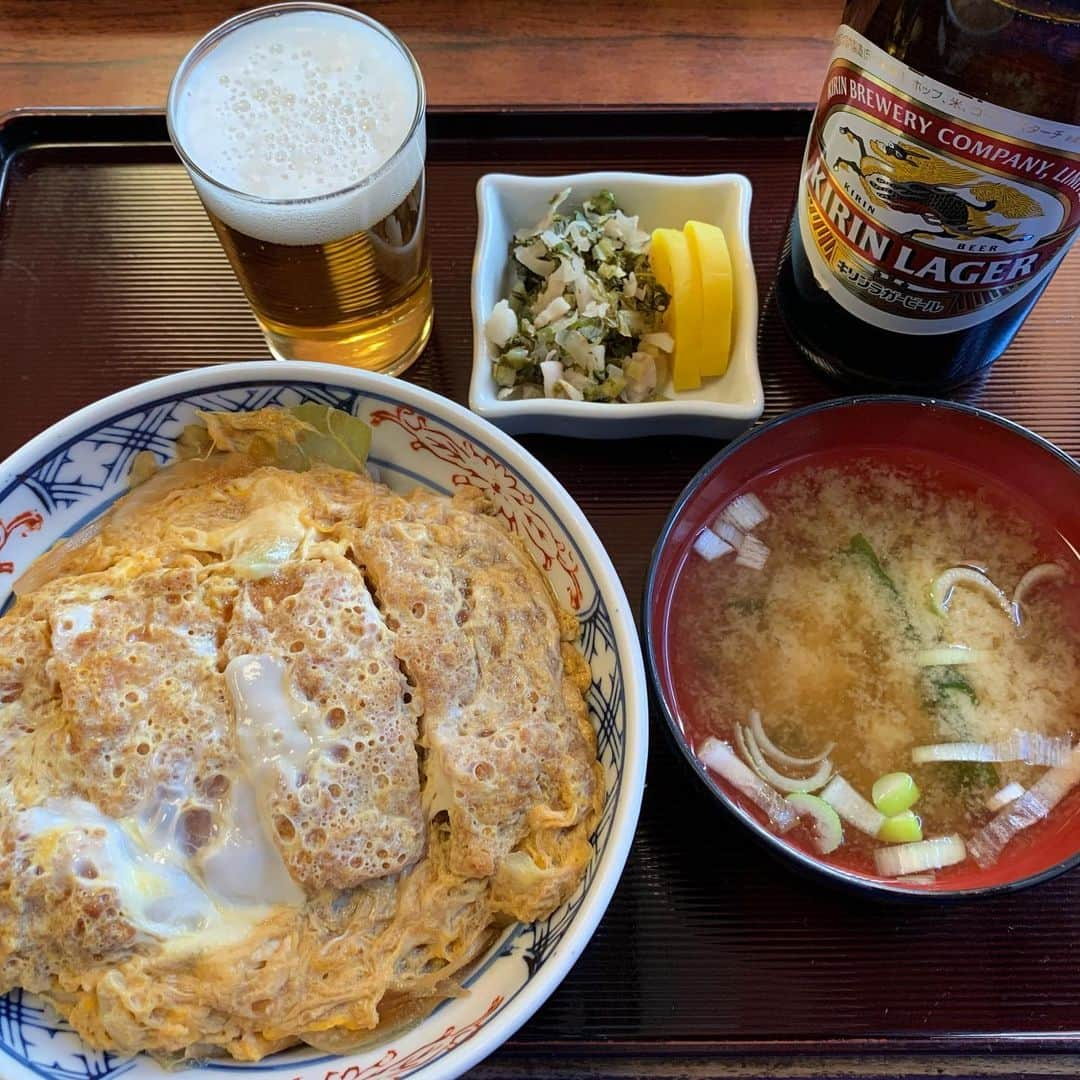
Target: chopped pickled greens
{"points": [[584, 317], [293, 438]]}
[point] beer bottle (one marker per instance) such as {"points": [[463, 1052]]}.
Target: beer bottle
{"points": [[940, 187]]}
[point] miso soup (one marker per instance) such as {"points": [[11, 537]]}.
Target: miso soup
{"points": [[874, 617]]}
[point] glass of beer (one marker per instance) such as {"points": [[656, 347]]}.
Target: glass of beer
{"points": [[302, 127]]}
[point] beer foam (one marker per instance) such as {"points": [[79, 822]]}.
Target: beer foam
{"points": [[301, 106]]}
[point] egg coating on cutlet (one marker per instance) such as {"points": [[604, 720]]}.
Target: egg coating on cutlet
{"points": [[355, 814], [282, 751], [136, 664], [508, 745]]}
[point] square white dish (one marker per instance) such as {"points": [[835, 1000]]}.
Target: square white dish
{"points": [[723, 406]]}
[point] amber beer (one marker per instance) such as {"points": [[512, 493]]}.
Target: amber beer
{"points": [[940, 187], [302, 127]]}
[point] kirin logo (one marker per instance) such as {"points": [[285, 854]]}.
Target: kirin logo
{"points": [[954, 201]]}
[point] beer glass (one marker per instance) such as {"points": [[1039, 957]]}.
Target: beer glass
{"points": [[302, 128]]}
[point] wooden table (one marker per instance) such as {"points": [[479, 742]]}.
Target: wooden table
{"points": [[472, 52], [484, 53]]}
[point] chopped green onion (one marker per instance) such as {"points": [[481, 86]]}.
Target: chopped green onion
{"points": [[921, 856], [719, 757], [894, 793], [1035, 748], [531, 258], [709, 546], [828, 832], [752, 553], [1035, 804], [902, 828], [745, 512], [1031, 747], [959, 751], [729, 532], [1009, 793], [949, 655], [852, 807]]}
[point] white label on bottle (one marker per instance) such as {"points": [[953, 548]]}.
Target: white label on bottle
{"points": [[923, 210]]}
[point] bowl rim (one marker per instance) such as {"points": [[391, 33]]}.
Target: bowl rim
{"points": [[804, 861], [483, 401], [611, 863]]}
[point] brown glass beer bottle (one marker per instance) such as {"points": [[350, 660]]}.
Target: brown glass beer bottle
{"points": [[940, 187]]}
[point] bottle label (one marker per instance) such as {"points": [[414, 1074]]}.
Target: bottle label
{"points": [[924, 210]]}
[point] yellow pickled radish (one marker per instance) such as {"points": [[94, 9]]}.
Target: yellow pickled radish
{"points": [[712, 264], [669, 254]]}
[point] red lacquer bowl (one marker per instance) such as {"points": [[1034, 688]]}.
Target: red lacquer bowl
{"points": [[1039, 478]]}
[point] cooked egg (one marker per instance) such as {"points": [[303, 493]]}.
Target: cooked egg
{"points": [[155, 890]]}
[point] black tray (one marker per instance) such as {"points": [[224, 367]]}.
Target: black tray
{"points": [[712, 959]]}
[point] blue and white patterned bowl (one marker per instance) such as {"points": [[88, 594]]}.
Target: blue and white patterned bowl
{"points": [[69, 474]]}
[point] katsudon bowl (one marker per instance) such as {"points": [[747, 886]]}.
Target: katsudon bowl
{"points": [[70, 474]]}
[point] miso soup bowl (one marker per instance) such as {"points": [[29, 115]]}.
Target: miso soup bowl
{"points": [[1045, 480]]}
